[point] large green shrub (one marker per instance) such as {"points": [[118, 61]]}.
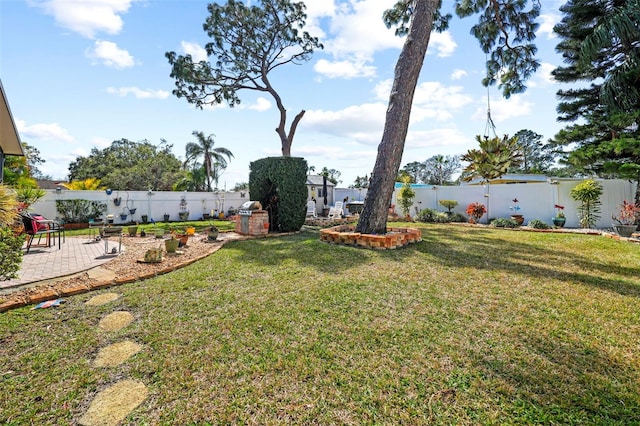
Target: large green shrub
{"points": [[80, 211], [588, 192], [280, 184], [10, 242], [10, 253]]}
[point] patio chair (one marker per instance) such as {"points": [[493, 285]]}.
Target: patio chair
{"points": [[37, 225], [311, 209], [335, 212]]}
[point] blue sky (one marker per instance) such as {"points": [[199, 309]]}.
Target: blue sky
{"points": [[81, 74]]}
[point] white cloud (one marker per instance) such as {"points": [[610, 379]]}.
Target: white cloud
{"points": [[197, 52], [362, 123], [111, 55], [86, 17], [50, 131], [444, 137], [261, 104], [543, 77], [547, 22], [344, 69], [431, 100], [457, 74], [138, 93], [443, 43]]}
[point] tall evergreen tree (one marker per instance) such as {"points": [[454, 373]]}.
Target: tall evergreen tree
{"points": [[505, 30], [601, 46], [537, 157]]}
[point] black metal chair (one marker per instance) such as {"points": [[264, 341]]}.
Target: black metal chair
{"points": [[36, 225]]}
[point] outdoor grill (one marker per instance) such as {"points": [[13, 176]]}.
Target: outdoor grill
{"points": [[252, 220]]}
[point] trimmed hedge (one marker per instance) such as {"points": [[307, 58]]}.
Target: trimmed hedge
{"points": [[280, 184]]}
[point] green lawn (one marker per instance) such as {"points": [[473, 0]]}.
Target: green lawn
{"points": [[470, 326]]}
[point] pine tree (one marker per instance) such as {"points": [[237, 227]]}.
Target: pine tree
{"points": [[600, 45]]}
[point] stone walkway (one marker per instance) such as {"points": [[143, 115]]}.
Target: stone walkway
{"points": [[114, 403], [76, 254]]}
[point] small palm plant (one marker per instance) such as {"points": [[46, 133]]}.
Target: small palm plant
{"points": [[588, 192]]}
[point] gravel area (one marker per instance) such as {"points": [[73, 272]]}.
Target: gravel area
{"points": [[126, 266]]}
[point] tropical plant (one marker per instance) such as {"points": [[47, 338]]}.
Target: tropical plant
{"points": [[476, 211], [588, 193], [214, 159], [10, 253], [88, 184], [627, 214], [406, 195], [494, 158], [10, 241], [26, 196], [80, 211], [8, 206], [538, 224], [504, 222]]}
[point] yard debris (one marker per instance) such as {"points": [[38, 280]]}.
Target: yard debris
{"points": [[49, 303]]}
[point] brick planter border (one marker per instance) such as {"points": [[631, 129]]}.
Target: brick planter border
{"points": [[395, 237]]}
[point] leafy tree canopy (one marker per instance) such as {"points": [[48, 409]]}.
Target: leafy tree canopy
{"points": [[249, 42], [22, 171], [537, 157], [127, 165]]}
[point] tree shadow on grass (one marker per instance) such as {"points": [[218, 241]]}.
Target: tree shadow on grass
{"points": [[485, 249]]}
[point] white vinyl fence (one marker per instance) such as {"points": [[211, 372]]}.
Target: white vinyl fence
{"points": [[153, 204], [536, 200]]}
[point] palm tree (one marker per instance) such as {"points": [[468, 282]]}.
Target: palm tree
{"points": [[204, 148]]}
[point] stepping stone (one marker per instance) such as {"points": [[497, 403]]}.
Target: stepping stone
{"points": [[101, 274], [116, 354], [115, 321], [102, 299], [113, 404]]}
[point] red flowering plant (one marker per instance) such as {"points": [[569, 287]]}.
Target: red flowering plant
{"points": [[476, 211], [628, 214], [559, 210]]}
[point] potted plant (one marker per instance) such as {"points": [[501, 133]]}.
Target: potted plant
{"points": [[181, 236], [559, 219], [145, 218], [117, 201], [475, 212], [132, 230], [626, 220], [171, 244], [212, 233], [515, 208]]}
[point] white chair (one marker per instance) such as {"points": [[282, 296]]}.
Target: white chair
{"points": [[335, 212], [311, 209]]}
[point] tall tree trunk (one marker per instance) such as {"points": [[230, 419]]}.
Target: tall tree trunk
{"points": [[373, 219]]}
